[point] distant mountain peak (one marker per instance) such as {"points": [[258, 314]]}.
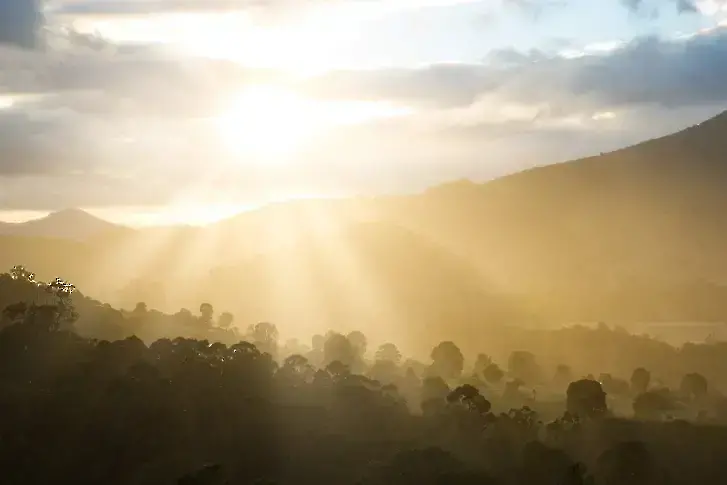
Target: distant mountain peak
{"points": [[69, 223], [72, 213]]}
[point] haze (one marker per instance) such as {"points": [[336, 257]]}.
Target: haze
{"points": [[168, 112], [363, 242]]}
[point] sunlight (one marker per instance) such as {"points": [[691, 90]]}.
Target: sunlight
{"points": [[266, 121], [271, 123]]}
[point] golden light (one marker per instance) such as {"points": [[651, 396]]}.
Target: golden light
{"points": [[270, 124], [265, 121]]}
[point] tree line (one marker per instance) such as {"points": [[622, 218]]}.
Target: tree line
{"points": [[215, 405]]}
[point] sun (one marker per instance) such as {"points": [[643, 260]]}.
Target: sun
{"points": [[267, 122], [272, 124]]}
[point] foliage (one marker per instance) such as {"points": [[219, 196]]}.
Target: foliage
{"points": [[210, 406]]}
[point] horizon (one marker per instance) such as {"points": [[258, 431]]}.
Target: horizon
{"points": [[162, 110], [201, 216]]}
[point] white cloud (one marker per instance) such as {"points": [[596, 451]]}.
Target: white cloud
{"points": [[99, 124]]}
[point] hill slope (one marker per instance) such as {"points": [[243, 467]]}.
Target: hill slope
{"points": [[73, 224], [633, 235]]}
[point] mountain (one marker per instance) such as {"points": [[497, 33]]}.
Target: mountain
{"points": [[635, 235], [604, 235], [71, 224]]}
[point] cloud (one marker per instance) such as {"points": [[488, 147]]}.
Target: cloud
{"points": [[682, 6], [650, 7], [20, 21], [139, 81], [670, 73], [136, 7], [101, 125]]}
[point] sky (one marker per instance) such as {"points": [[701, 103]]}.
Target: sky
{"points": [[166, 111]]}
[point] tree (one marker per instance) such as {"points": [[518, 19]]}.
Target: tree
{"points": [[512, 390], [140, 309], [338, 348], [296, 369], [493, 374], [384, 371], [63, 291], [22, 274], [628, 463], [522, 365], [206, 314], [653, 404], [389, 352], [614, 386], [225, 320], [434, 394], [640, 379], [563, 375], [14, 313], [265, 337], [317, 342], [586, 398], [359, 342], [470, 397], [447, 361], [694, 385], [481, 363], [338, 369]]}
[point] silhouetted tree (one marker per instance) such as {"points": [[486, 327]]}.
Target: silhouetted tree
{"points": [[389, 352], [481, 363], [225, 320], [522, 365], [206, 314], [470, 397], [628, 463], [640, 380], [338, 348], [447, 361], [358, 341], [653, 404], [493, 374], [140, 309], [694, 385], [264, 336], [585, 398]]}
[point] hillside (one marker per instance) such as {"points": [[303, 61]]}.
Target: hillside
{"points": [[645, 215], [633, 235], [72, 224]]}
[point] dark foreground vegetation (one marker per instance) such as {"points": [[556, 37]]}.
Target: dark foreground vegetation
{"points": [[220, 406]]}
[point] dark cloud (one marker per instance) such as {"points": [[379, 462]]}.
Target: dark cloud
{"points": [[686, 6], [648, 70], [648, 7], [652, 6], [133, 81], [20, 21], [135, 7], [645, 71]]}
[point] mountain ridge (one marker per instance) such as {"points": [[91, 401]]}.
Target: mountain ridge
{"points": [[634, 235], [70, 223]]}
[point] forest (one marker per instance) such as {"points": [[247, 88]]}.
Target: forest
{"points": [[91, 394]]}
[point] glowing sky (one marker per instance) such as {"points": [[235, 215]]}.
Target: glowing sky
{"points": [[146, 109]]}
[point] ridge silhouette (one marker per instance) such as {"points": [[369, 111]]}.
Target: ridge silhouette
{"points": [[631, 236]]}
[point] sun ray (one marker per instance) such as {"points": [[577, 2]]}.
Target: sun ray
{"points": [[361, 300]]}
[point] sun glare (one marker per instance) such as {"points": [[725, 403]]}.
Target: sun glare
{"points": [[265, 121], [273, 123]]}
